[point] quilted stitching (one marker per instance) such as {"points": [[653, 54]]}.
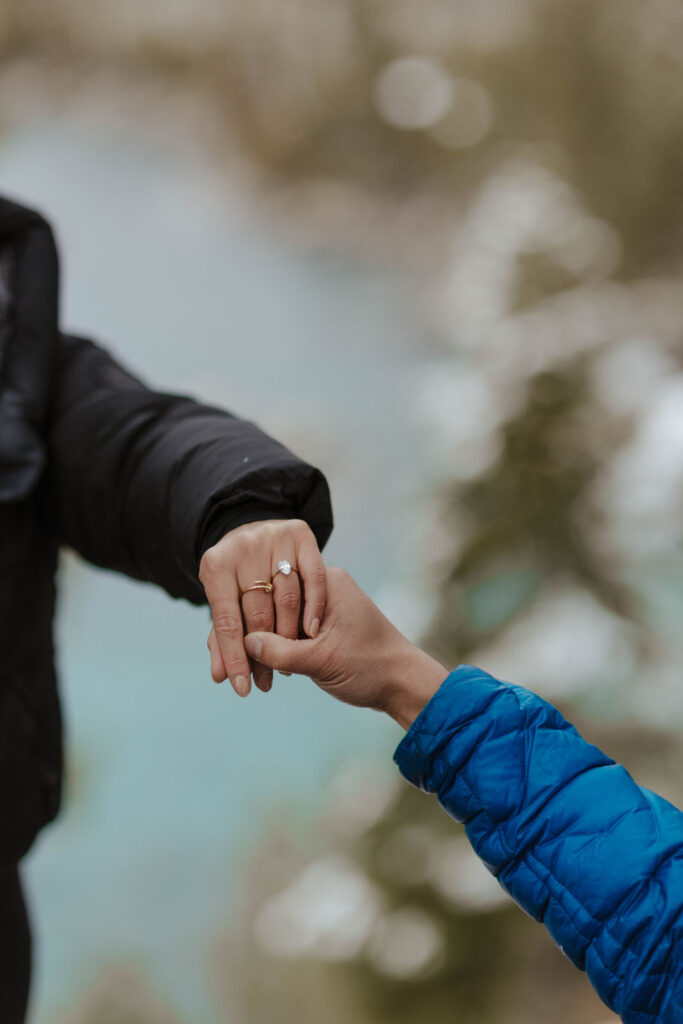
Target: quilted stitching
{"points": [[529, 841]]}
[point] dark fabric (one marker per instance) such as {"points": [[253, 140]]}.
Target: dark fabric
{"points": [[30, 728], [133, 480], [15, 950], [29, 316], [140, 482]]}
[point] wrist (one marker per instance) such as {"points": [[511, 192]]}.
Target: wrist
{"points": [[413, 681]]}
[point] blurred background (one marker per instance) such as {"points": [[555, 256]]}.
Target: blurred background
{"points": [[435, 247]]}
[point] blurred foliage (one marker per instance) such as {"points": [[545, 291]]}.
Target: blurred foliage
{"points": [[524, 510], [522, 159], [438, 941], [594, 84], [382, 913]]}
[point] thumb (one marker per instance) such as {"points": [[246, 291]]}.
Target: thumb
{"points": [[278, 652]]}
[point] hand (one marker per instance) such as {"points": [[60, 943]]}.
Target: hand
{"points": [[359, 657], [242, 557]]}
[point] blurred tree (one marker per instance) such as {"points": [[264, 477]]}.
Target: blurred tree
{"points": [[396, 923]]}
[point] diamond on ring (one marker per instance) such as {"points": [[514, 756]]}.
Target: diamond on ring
{"points": [[284, 567]]}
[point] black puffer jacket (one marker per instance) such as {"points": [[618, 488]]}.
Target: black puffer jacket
{"points": [[135, 481]]}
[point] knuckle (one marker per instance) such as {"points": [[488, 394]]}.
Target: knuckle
{"points": [[255, 547], [289, 600], [236, 668], [227, 624], [207, 566], [241, 546], [318, 576], [215, 561], [259, 621]]}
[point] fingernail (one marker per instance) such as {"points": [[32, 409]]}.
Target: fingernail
{"points": [[286, 674], [254, 646], [242, 685], [315, 628]]}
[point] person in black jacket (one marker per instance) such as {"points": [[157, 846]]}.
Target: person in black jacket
{"points": [[155, 486]]}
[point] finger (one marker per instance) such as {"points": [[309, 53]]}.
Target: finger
{"points": [[287, 599], [218, 673], [257, 609], [223, 596], [314, 579], [280, 653]]}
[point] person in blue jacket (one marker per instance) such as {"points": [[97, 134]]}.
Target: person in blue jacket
{"points": [[566, 831]]}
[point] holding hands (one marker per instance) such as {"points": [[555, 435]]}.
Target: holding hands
{"points": [[358, 656], [253, 579], [275, 606]]}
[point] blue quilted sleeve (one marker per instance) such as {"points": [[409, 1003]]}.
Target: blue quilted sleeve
{"points": [[566, 831]]}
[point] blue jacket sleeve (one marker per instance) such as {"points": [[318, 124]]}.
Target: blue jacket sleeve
{"points": [[567, 832]]}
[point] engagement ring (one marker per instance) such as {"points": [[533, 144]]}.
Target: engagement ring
{"points": [[285, 568]]}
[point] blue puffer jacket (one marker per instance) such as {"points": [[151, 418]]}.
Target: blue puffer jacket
{"points": [[566, 831]]}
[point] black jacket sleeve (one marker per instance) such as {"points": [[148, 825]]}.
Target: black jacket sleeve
{"points": [[143, 482]]}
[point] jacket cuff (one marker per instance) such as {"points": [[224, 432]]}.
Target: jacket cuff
{"points": [[227, 513], [463, 695]]}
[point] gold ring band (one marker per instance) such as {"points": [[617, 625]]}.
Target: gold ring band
{"points": [[259, 585]]}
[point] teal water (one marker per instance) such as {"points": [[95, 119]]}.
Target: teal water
{"points": [[172, 778]]}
